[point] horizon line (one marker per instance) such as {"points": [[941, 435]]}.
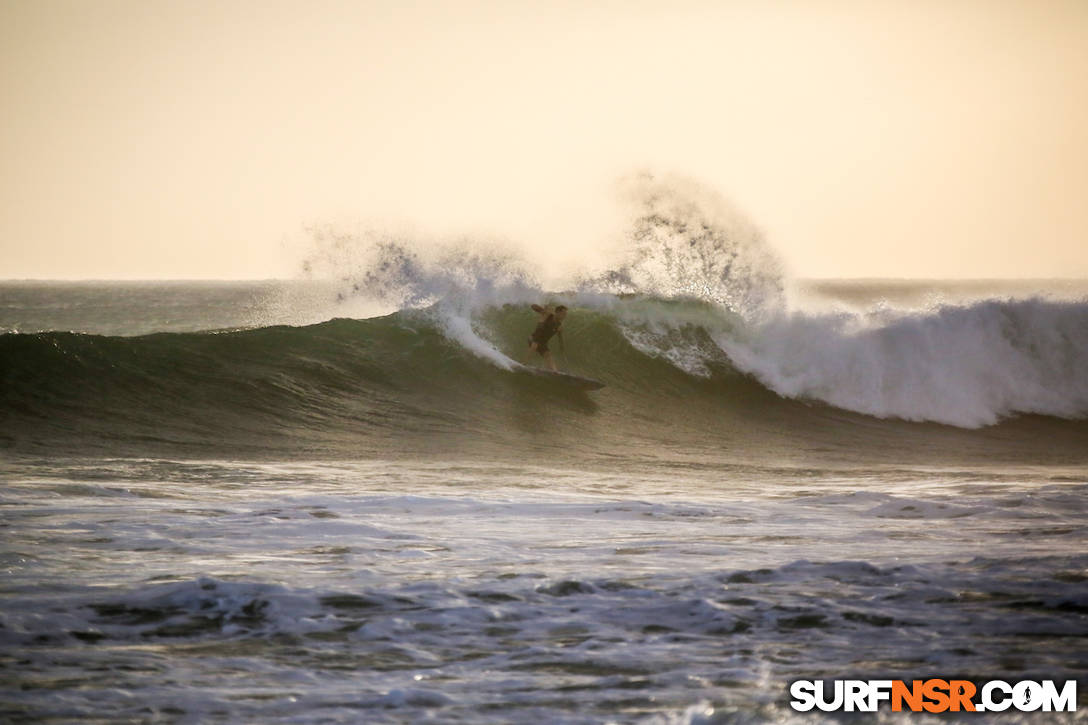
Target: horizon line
{"points": [[228, 280]]}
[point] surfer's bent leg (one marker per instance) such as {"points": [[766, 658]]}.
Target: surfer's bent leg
{"points": [[548, 359]]}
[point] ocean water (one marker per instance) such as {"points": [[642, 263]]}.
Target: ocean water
{"points": [[210, 515], [341, 501]]}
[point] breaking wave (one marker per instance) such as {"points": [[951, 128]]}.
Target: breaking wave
{"points": [[691, 331]]}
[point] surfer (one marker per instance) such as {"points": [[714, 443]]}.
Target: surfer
{"points": [[551, 324]]}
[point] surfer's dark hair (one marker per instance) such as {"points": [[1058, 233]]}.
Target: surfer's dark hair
{"points": [[561, 308]]}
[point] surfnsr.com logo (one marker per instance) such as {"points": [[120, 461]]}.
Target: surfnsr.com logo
{"points": [[933, 695]]}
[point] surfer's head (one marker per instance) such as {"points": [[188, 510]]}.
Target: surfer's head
{"points": [[561, 312]]}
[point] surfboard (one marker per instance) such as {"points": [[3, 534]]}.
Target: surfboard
{"points": [[574, 381]]}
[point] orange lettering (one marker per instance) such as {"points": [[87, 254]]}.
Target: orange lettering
{"points": [[961, 692], [913, 696], [932, 689]]}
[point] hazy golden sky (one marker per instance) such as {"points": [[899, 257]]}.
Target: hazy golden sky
{"points": [[922, 138]]}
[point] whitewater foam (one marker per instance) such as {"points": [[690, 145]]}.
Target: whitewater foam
{"points": [[967, 366]]}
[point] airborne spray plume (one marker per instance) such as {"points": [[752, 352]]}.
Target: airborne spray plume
{"points": [[400, 272], [680, 239], [686, 240]]}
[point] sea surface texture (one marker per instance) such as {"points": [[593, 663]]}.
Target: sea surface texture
{"points": [[249, 502]]}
